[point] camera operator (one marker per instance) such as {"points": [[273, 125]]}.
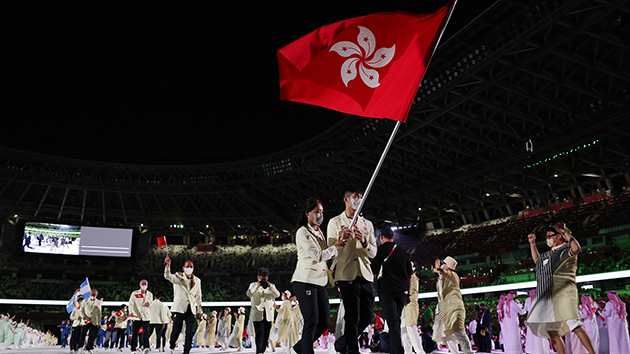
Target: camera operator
{"points": [[262, 294]]}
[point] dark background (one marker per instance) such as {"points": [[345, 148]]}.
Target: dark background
{"points": [[166, 83]]}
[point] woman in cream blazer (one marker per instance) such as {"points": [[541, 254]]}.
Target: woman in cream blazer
{"points": [[311, 274]]}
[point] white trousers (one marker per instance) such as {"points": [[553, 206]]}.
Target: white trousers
{"points": [[411, 340], [463, 340]]}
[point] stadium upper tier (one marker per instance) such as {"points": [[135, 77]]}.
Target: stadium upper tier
{"points": [[525, 106]]}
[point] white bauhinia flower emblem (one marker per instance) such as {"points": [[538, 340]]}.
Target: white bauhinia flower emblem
{"points": [[361, 58]]}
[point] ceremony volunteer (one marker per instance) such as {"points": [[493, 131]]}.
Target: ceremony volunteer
{"points": [[554, 311], [186, 302], [311, 275], [450, 314]]}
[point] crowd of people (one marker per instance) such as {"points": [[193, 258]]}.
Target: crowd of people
{"points": [[349, 258], [14, 334]]}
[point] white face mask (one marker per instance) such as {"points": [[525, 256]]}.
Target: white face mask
{"points": [[92, 297], [355, 202], [143, 287], [318, 219], [188, 271]]}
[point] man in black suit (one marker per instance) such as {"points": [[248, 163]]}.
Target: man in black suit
{"points": [[485, 330]]}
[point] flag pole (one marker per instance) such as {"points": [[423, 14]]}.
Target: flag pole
{"points": [[391, 138], [378, 168]]}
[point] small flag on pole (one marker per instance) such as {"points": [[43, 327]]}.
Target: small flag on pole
{"points": [[161, 241], [83, 290]]}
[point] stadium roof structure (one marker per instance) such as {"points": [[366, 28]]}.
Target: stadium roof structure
{"points": [[529, 104]]}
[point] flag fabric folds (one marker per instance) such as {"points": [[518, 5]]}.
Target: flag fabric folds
{"points": [[84, 290], [369, 66], [161, 241]]}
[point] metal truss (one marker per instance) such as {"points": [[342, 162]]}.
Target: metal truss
{"points": [[552, 74]]}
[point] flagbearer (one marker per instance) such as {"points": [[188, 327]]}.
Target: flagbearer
{"points": [[140, 315], [186, 302], [353, 273]]}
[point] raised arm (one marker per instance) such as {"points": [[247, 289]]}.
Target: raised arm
{"points": [[532, 245]]}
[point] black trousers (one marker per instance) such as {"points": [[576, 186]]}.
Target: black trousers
{"points": [[392, 305], [358, 301], [92, 332], [120, 337], [315, 310], [262, 329], [164, 335], [178, 322], [159, 342], [75, 339], [144, 339]]}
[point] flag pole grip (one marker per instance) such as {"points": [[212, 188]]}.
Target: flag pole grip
{"points": [[378, 168]]}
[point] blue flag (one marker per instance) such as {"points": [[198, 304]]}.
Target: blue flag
{"points": [[84, 290]]}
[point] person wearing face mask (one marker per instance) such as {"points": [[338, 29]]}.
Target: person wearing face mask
{"points": [[262, 294], [353, 273], [554, 310], [311, 274], [186, 302], [91, 309], [450, 313], [140, 315], [77, 322]]}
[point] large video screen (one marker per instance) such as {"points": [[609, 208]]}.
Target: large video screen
{"points": [[76, 240]]}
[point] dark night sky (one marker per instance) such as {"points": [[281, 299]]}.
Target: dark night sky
{"points": [[166, 82]]}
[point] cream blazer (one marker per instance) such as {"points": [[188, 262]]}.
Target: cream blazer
{"points": [[91, 311], [138, 309], [159, 313], [354, 259], [183, 295], [262, 300], [312, 252]]}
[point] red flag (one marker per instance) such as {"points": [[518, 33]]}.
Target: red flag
{"points": [[139, 296], [369, 66], [161, 241]]}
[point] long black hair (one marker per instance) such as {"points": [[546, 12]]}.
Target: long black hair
{"points": [[310, 204]]}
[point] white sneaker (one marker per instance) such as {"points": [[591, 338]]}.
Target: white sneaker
{"points": [[171, 351], [147, 350]]}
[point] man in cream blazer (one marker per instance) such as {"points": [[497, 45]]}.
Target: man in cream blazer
{"points": [[91, 314], [262, 294], [139, 313], [186, 302], [160, 316], [353, 272]]}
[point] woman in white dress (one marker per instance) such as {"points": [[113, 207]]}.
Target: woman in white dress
{"points": [[200, 335], [411, 311], [223, 328], [533, 344], [283, 321], [615, 313], [512, 336]]}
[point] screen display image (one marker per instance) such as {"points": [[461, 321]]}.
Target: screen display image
{"points": [[76, 240], [51, 238]]}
